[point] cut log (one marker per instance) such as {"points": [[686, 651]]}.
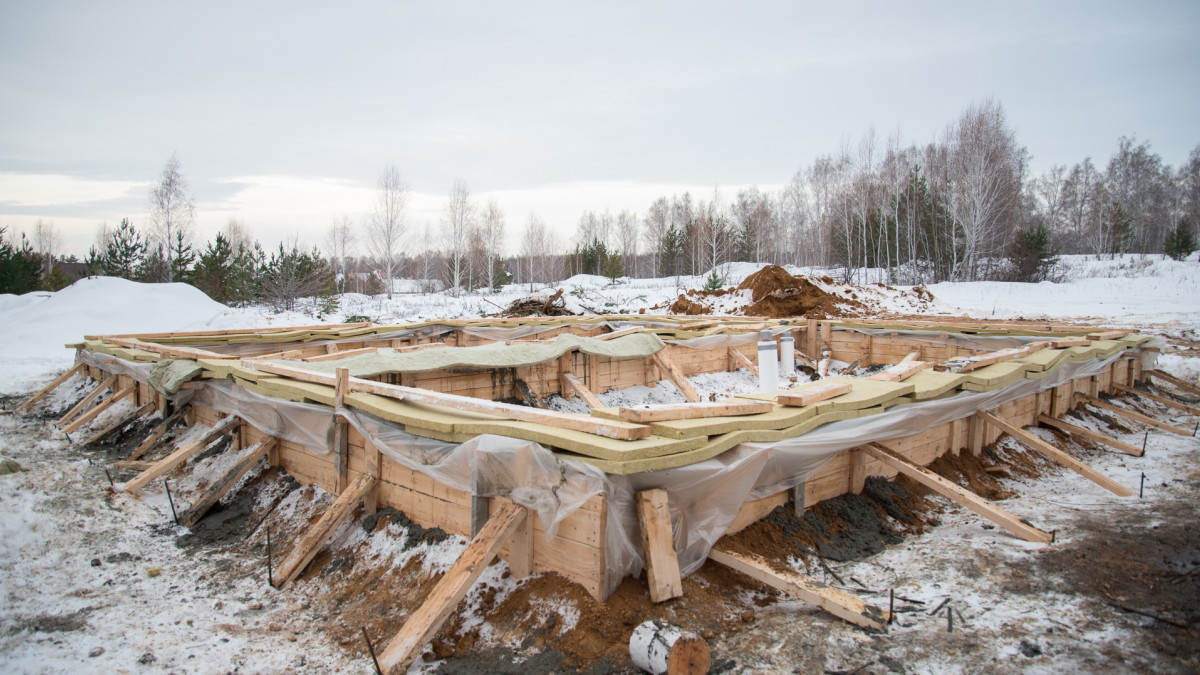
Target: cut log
{"points": [[158, 433], [120, 424], [83, 403], [901, 371], [744, 360], [420, 628], [839, 603], [676, 375], [1169, 402], [658, 545], [1133, 415], [601, 427], [957, 493], [1046, 420], [688, 411], [319, 533], [177, 458], [95, 412], [581, 389], [54, 384], [222, 485], [1057, 455], [659, 648], [1182, 384], [816, 394]]}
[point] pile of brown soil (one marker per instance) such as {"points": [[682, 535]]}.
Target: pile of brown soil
{"points": [[777, 294]]}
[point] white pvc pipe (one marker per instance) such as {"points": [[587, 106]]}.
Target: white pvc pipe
{"points": [[787, 356], [768, 365]]}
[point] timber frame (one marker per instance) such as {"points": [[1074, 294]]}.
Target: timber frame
{"points": [[921, 361]]}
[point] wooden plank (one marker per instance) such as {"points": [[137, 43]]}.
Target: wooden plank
{"points": [[839, 603], [815, 394], [620, 333], [755, 510], [94, 412], [658, 545], [237, 331], [608, 428], [54, 384], [1169, 402], [901, 371], [222, 485], [1108, 335], [1057, 455], [675, 375], [160, 431], [316, 536], [968, 364], [120, 423], [688, 411], [335, 355], [177, 458], [165, 350], [579, 388], [744, 360], [857, 478], [1046, 420], [420, 628], [957, 493], [136, 465], [83, 403], [1063, 343], [1144, 419], [1165, 377], [341, 431]]}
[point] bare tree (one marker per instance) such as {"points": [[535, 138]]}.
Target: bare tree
{"points": [[48, 243], [493, 239], [459, 221], [627, 232], [171, 212], [385, 226], [339, 246], [239, 235], [658, 221]]}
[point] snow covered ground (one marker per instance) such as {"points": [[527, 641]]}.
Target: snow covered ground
{"points": [[75, 560]]}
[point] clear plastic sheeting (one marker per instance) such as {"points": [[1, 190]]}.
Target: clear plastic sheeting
{"points": [[968, 340], [307, 424], [730, 340]]}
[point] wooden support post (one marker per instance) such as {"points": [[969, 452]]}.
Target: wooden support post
{"points": [[177, 458], [1057, 455], [156, 435], [218, 489], [839, 603], [810, 338], [814, 394], [676, 376], [83, 403], [1171, 379], [341, 432], [1144, 419], [799, 499], [1093, 387], [564, 368], [658, 545], [424, 623], [578, 387], [957, 493], [1169, 402], [54, 384], [1048, 421], [120, 423], [976, 433], [858, 471], [520, 547], [375, 469], [744, 360], [94, 412], [319, 533]]}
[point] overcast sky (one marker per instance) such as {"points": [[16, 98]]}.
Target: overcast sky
{"points": [[283, 114]]}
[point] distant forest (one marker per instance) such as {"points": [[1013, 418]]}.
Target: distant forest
{"points": [[964, 207]]}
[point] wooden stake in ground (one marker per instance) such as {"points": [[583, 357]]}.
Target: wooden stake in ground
{"points": [[423, 624], [957, 493], [839, 603], [177, 458], [658, 545], [1133, 415], [659, 648], [222, 485], [1057, 455], [320, 532], [83, 402], [95, 412], [54, 384], [1046, 420]]}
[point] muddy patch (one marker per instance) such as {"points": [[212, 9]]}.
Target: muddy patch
{"points": [[235, 517]]}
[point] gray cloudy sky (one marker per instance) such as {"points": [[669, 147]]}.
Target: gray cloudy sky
{"points": [[283, 114]]}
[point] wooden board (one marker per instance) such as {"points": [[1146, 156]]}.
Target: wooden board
{"points": [[220, 487], [687, 411], [1131, 414], [177, 458], [676, 376], [83, 402], [1171, 379], [821, 391], [658, 545], [120, 423], [319, 533], [1057, 455], [94, 412], [1169, 402], [1048, 421], [159, 431], [54, 384]]}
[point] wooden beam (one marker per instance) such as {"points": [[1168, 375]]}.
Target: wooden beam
{"points": [[165, 350], [967, 364], [688, 411], [839, 603], [579, 388], [120, 423], [1061, 425], [857, 475], [83, 403], [520, 546], [620, 333], [1108, 335], [135, 464], [1182, 384], [335, 354], [676, 375], [424, 623], [1057, 455], [156, 435], [213, 493], [94, 412], [319, 533], [744, 360], [1063, 343], [1169, 402], [1144, 419], [177, 458], [957, 493], [54, 384], [658, 545], [341, 432], [235, 331], [601, 427], [811, 395], [901, 371]]}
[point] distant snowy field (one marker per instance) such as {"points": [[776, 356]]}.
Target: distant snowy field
{"points": [[1134, 291]]}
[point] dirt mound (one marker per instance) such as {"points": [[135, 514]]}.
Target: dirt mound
{"points": [[777, 294]]}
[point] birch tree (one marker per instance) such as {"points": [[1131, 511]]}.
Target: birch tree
{"points": [[172, 211], [386, 224], [493, 239], [339, 244], [458, 221]]}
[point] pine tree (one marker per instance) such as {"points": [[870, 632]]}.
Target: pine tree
{"points": [[1179, 243], [124, 254], [20, 266], [181, 258]]}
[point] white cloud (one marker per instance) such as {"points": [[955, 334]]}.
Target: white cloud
{"points": [[47, 190]]}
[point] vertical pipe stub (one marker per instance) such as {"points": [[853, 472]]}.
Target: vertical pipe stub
{"points": [[768, 363], [787, 356]]}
